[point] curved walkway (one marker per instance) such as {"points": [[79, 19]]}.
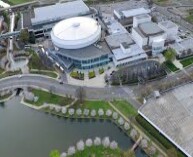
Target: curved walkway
{"points": [[50, 84]]}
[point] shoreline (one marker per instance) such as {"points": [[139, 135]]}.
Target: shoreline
{"points": [[105, 118]]}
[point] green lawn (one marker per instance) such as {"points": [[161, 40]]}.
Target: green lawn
{"points": [[126, 108], [187, 61], [98, 151], [91, 74], [14, 2], [36, 63], [101, 70], [94, 105], [189, 18], [10, 73], [77, 75], [1, 71], [5, 96], [47, 73], [170, 66], [49, 98]]}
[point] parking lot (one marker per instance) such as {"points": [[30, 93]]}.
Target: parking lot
{"points": [[124, 5], [141, 72]]}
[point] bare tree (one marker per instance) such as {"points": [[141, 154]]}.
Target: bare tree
{"points": [[80, 94]]}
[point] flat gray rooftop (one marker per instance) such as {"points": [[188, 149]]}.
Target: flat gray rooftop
{"points": [[142, 16], [114, 27], [172, 114], [135, 12], [183, 45], [135, 53], [150, 28], [168, 24], [115, 40], [86, 53], [59, 11]]}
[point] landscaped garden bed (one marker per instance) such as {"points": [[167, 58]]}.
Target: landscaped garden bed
{"points": [[47, 97], [101, 70], [47, 73], [77, 75], [187, 61], [10, 73], [91, 74], [170, 66]]}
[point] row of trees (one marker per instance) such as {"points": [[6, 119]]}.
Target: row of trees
{"points": [[26, 36], [142, 72], [81, 146]]}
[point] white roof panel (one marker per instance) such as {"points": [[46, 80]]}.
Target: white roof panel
{"points": [[135, 12], [59, 11], [76, 28]]}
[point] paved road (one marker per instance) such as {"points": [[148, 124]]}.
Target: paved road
{"points": [[31, 80]]}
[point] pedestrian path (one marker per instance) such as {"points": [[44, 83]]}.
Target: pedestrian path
{"points": [[178, 64], [137, 128]]}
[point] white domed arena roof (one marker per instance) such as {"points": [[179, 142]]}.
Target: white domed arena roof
{"points": [[74, 33]]}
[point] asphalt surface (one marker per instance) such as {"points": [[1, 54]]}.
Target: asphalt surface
{"points": [[31, 80]]}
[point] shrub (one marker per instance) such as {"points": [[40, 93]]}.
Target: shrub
{"points": [[101, 71], [51, 107], [106, 142], [77, 75], [91, 74], [64, 154], [79, 112], [86, 112], [71, 150], [115, 115], [121, 121], [152, 131], [97, 141], [100, 112], [80, 145], [64, 110], [71, 111], [126, 126], [57, 108], [113, 145], [93, 113], [108, 113], [89, 142]]}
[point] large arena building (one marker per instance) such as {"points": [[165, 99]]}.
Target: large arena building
{"points": [[75, 33], [77, 43]]}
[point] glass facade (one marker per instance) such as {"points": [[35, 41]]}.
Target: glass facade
{"points": [[88, 63]]}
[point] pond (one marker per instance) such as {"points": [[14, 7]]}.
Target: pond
{"points": [[25, 132]]}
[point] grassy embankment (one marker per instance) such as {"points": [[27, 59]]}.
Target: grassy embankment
{"points": [[171, 66], [187, 61], [98, 151], [47, 97], [127, 109], [14, 2], [36, 66]]}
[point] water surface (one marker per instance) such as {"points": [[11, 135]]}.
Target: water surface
{"points": [[25, 132]]}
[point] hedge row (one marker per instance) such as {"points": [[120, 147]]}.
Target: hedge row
{"points": [[155, 133]]}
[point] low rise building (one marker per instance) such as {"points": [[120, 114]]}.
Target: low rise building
{"points": [[42, 19], [125, 17], [183, 48], [150, 37], [171, 30], [128, 54], [59, 11], [124, 49]]}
